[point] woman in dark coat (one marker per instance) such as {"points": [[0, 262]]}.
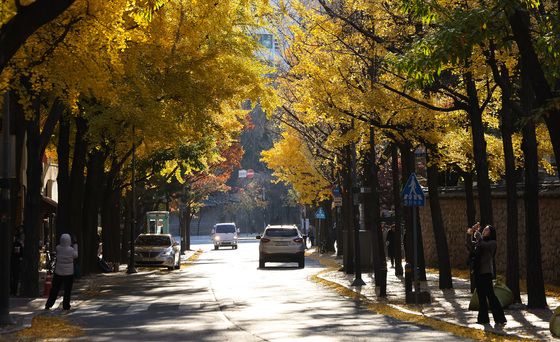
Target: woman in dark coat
{"points": [[484, 267]]}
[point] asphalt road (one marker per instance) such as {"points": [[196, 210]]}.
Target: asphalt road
{"points": [[225, 297]]}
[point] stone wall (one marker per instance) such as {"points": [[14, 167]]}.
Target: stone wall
{"points": [[455, 220]]}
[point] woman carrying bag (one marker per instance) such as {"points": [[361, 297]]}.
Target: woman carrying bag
{"points": [[485, 250]]}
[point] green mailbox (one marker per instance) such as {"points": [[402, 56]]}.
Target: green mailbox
{"points": [[157, 222]]}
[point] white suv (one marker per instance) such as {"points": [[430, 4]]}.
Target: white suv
{"points": [[283, 243], [225, 234]]}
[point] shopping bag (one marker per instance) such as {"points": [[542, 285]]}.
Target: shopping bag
{"points": [[473, 304], [502, 292]]}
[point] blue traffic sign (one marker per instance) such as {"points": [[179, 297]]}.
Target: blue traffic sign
{"points": [[412, 193], [320, 214], [336, 191]]}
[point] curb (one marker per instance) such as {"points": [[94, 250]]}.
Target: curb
{"points": [[403, 314]]}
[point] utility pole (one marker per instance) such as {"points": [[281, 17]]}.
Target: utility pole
{"points": [[5, 244]]}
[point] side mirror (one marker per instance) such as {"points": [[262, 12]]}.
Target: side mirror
{"points": [[212, 231], [258, 237], [238, 231], [175, 243], [304, 237]]}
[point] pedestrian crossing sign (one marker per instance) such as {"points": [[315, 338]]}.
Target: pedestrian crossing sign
{"points": [[320, 214], [412, 193]]}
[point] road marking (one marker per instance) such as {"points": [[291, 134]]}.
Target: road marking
{"points": [[138, 307]]}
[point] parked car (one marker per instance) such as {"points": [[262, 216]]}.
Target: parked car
{"points": [[282, 243], [225, 234], [157, 250]]}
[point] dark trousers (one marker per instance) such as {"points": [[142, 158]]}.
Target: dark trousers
{"points": [[58, 281], [485, 291]]}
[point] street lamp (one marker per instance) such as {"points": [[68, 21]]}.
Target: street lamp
{"points": [[131, 267]]}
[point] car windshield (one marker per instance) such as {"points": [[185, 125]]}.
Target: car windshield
{"points": [[225, 228], [153, 240], [281, 232]]}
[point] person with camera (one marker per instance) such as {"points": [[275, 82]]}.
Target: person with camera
{"points": [[485, 247]]}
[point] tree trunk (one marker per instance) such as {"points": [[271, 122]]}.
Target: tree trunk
{"points": [[520, 24], [398, 209], [444, 265], [125, 238], [479, 152], [185, 214], [77, 186], [326, 228], [469, 198], [30, 274], [28, 19], [110, 221], [372, 209], [535, 281], [77, 179], [506, 128], [91, 206], [63, 177], [347, 215]]}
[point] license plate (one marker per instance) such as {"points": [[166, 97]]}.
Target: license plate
{"points": [[282, 244]]}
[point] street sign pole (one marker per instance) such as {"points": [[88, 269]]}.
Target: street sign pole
{"points": [[415, 243], [413, 196]]}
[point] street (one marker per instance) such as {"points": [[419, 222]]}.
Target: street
{"points": [[225, 297]]}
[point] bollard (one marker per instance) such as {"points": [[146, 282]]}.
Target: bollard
{"points": [[408, 277], [48, 285]]}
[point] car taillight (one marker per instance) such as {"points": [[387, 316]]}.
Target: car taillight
{"points": [[298, 240], [265, 240]]}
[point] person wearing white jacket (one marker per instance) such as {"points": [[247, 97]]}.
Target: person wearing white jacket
{"points": [[63, 271]]}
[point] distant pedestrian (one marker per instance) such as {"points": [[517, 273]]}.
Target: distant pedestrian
{"points": [[312, 235], [15, 262], [63, 271], [485, 251], [390, 242]]}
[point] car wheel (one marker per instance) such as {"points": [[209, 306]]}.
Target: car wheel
{"points": [[301, 262], [216, 247], [171, 268], [261, 263]]}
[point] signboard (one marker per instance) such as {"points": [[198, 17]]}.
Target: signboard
{"points": [[412, 193], [250, 173], [336, 192], [242, 173], [337, 201], [320, 214]]}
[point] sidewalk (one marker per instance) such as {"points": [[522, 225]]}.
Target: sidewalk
{"points": [[448, 310], [22, 310]]}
